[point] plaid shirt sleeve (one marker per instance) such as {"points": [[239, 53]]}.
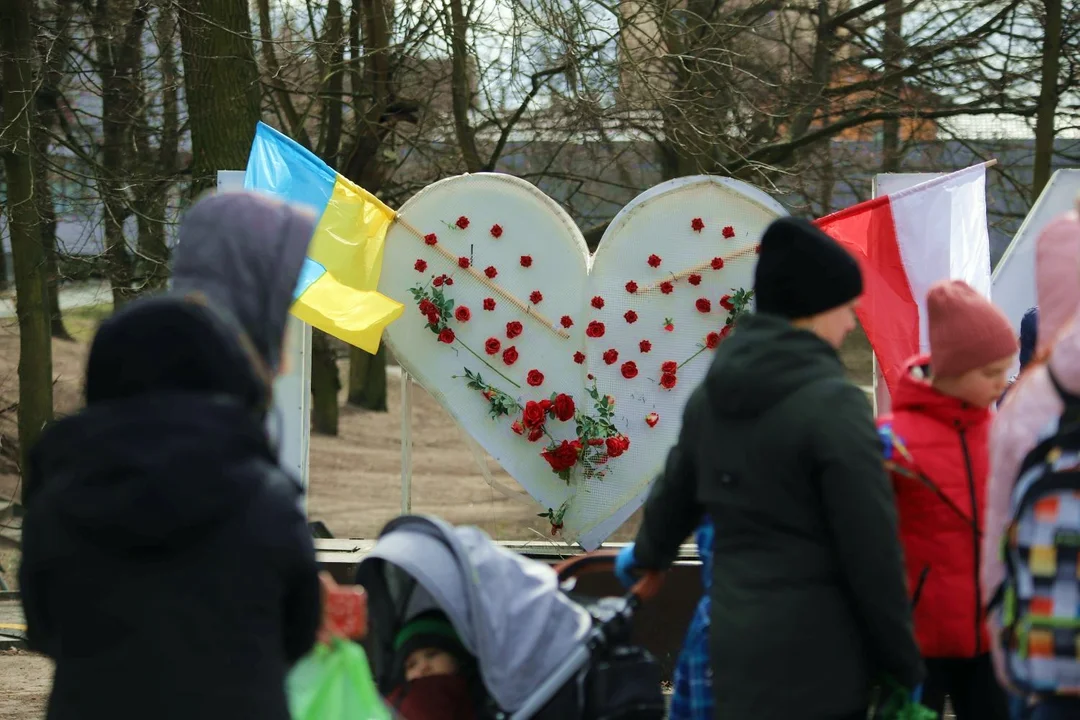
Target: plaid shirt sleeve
{"points": [[693, 697]]}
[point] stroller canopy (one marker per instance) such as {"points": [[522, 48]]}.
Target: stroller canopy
{"points": [[507, 609]]}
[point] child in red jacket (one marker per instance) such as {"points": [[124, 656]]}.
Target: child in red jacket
{"points": [[938, 455]]}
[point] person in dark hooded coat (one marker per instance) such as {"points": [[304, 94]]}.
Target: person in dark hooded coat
{"points": [[168, 568], [809, 605]]}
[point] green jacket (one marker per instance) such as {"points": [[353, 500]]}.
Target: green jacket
{"points": [[809, 604]]}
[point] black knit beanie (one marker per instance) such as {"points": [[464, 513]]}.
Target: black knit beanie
{"points": [[802, 271]]}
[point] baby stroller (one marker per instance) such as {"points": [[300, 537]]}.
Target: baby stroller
{"points": [[541, 654]]}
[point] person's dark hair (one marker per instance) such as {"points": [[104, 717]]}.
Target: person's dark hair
{"points": [[1029, 336]]}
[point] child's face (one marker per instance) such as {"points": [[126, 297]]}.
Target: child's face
{"points": [[429, 661], [981, 387]]}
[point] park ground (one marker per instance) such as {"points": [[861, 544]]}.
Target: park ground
{"points": [[355, 485]]}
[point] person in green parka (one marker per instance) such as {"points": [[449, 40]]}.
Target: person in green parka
{"points": [[809, 604]]}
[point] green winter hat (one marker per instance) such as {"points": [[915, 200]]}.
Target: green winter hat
{"points": [[429, 629]]}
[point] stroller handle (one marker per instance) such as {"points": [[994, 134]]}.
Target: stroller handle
{"points": [[603, 561]]}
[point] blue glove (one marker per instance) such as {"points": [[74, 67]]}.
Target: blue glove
{"points": [[625, 565]]}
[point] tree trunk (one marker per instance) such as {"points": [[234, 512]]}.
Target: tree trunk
{"points": [[1048, 97], [367, 379], [325, 384], [35, 348], [219, 60], [894, 48]]}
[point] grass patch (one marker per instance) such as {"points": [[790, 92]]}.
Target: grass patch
{"points": [[82, 322]]}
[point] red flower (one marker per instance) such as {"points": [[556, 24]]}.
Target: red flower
{"points": [[463, 262], [535, 378], [427, 307], [566, 321], [703, 305], [670, 367], [449, 280], [630, 316], [666, 287], [617, 445], [431, 239], [629, 369], [462, 222], [598, 302], [463, 314], [651, 419], [526, 261], [533, 415], [517, 427], [496, 231], [420, 265], [668, 325], [562, 457], [644, 346], [490, 271], [712, 340], [433, 317], [563, 407], [596, 441], [729, 232], [631, 287], [595, 329], [492, 345], [694, 279], [535, 297], [668, 381], [590, 377], [579, 357], [437, 282], [536, 433], [725, 331], [697, 225], [546, 405], [488, 394], [510, 355], [725, 302], [611, 356], [717, 263], [654, 261], [446, 336], [513, 329], [489, 304]]}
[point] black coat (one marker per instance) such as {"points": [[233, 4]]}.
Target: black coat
{"points": [[167, 568], [808, 597]]}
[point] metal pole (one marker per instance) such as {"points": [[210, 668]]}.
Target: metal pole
{"points": [[406, 443]]}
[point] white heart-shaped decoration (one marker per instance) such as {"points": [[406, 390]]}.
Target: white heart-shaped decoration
{"points": [[543, 318]]}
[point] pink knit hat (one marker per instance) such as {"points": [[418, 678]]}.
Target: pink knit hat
{"points": [[967, 331], [1057, 285]]}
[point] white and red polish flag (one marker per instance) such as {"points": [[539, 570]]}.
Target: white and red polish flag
{"points": [[907, 241]]}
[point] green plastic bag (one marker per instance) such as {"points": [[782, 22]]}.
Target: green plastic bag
{"points": [[899, 705], [334, 683]]}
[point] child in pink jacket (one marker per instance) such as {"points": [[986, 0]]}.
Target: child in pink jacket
{"points": [[1031, 408]]}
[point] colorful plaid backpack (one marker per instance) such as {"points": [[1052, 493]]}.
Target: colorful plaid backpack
{"points": [[1036, 609]]}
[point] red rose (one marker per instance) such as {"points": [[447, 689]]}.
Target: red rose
{"points": [[492, 345], [513, 329], [579, 357], [433, 317], [631, 287], [496, 231], [644, 346], [563, 407], [427, 307], [666, 287], [431, 239], [611, 356], [668, 381], [526, 261], [446, 336], [517, 427], [729, 232], [562, 457], [535, 378], [535, 297], [596, 442], [630, 316], [463, 262], [651, 419], [725, 302], [590, 376], [629, 370], [510, 355], [566, 321], [712, 340], [669, 326], [545, 405], [463, 314], [490, 271], [536, 433], [595, 329], [462, 222], [598, 302], [420, 265], [670, 367], [654, 261], [703, 305], [533, 415], [489, 304], [437, 282], [449, 280], [717, 263], [694, 279], [615, 447], [488, 394], [697, 225], [725, 331]]}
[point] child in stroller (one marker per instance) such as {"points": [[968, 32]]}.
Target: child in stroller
{"points": [[440, 676], [538, 653]]}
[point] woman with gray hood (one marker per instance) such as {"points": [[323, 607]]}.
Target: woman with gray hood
{"points": [[167, 566]]}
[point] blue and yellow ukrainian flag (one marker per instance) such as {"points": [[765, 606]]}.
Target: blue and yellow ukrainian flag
{"points": [[337, 288]]}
